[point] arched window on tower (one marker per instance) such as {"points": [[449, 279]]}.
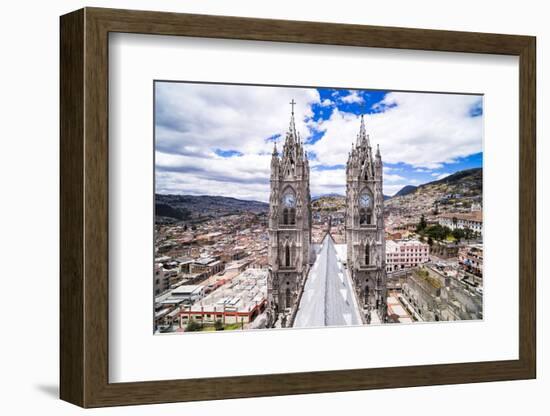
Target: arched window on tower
{"points": [[367, 254], [289, 207], [362, 216], [288, 298], [285, 216], [365, 208], [287, 256], [292, 216]]}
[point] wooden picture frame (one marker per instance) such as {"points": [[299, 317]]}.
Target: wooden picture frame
{"points": [[84, 207]]}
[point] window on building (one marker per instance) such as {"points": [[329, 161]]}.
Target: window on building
{"points": [[365, 208], [287, 256], [292, 216], [367, 254], [288, 299], [289, 216]]}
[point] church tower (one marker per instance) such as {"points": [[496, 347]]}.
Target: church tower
{"points": [[365, 235], [289, 227]]}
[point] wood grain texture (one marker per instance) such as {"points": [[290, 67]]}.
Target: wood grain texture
{"points": [[71, 208], [84, 207]]}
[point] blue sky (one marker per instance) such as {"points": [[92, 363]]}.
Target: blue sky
{"points": [[217, 139]]}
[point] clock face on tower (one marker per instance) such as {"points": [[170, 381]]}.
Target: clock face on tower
{"points": [[289, 200], [364, 200]]}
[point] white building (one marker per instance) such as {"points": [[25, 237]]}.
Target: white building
{"points": [[161, 279], [472, 220], [402, 254], [188, 293]]}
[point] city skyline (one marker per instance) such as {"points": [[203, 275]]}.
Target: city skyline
{"points": [[217, 139]]}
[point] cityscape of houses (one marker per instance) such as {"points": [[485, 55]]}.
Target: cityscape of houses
{"points": [[211, 273]]}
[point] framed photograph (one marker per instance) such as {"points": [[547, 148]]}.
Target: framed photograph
{"points": [[255, 207]]}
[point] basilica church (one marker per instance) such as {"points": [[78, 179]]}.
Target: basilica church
{"points": [[327, 283]]}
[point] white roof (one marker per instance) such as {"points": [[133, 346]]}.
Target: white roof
{"points": [[328, 297], [186, 289]]}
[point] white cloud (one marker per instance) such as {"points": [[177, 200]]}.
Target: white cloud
{"points": [[352, 97], [423, 130], [443, 175], [195, 120], [391, 190], [198, 118], [327, 182], [392, 177]]}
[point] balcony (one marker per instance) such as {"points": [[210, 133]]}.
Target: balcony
{"points": [[284, 268], [367, 267], [287, 226]]}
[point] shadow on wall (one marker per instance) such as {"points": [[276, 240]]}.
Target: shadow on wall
{"points": [[49, 390]]}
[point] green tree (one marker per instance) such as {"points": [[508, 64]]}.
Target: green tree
{"points": [[193, 326], [458, 234], [438, 232], [421, 226]]}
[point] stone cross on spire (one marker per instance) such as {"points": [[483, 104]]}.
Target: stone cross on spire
{"points": [[292, 127]]}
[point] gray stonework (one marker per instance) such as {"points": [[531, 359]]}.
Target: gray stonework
{"points": [[365, 236], [289, 227], [290, 255], [436, 297]]}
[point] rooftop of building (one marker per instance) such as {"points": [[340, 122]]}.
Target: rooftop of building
{"points": [[242, 294], [467, 216]]}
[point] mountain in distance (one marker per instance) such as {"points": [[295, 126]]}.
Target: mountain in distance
{"points": [[462, 188], [466, 184], [469, 179], [173, 208], [335, 195], [406, 190], [331, 195]]}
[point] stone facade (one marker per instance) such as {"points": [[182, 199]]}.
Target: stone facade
{"points": [[365, 237], [436, 297], [289, 227]]}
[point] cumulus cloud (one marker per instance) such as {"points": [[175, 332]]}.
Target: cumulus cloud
{"points": [[327, 181], [195, 119], [352, 97], [196, 123], [218, 139], [423, 130]]}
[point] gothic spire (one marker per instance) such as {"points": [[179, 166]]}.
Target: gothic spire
{"points": [[363, 136], [292, 128]]}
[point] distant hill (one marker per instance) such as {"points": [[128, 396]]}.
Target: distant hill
{"points": [[317, 197], [406, 190], [172, 208], [469, 176], [470, 179], [333, 195], [461, 189]]}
